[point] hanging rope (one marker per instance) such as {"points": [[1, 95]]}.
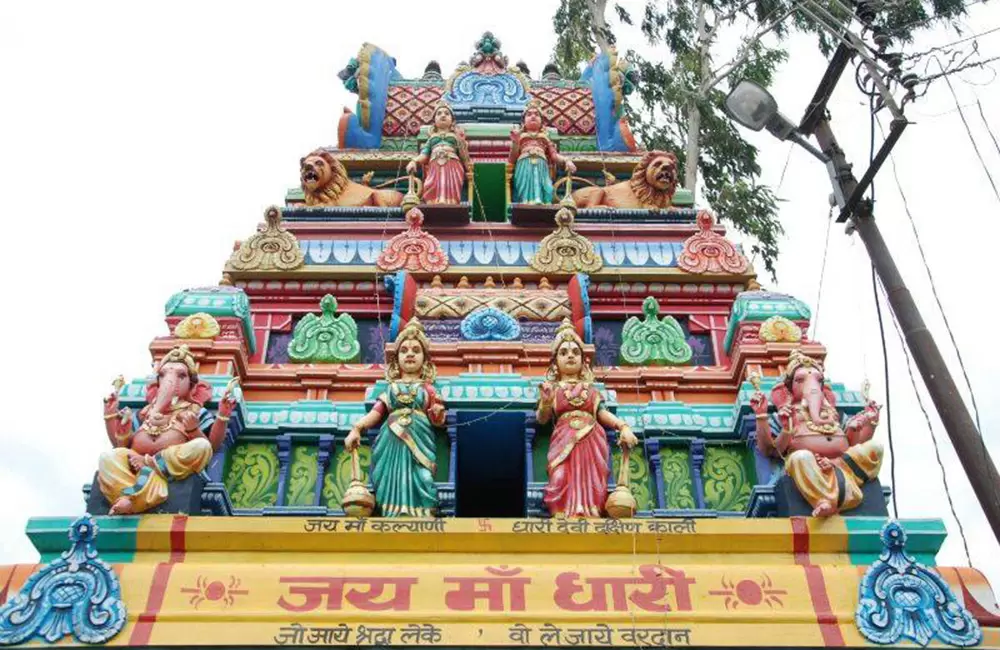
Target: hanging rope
{"points": [[822, 273]]}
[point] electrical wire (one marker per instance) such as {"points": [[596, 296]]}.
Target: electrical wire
{"points": [[822, 273], [982, 116], [934, 291], [968, 130], [881, 323], [930, 428], [940, 48]]}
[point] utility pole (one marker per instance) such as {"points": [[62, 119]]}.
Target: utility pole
{"points": [[966, 438]]}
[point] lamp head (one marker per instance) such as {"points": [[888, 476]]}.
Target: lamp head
{"points": [[753, 107]]}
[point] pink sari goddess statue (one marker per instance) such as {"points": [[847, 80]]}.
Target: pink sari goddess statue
{"points": [[578, 459], [445, 159]]}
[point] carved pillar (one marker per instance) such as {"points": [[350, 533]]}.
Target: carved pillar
{"points": [[284, 457], [217, 465], [763, 465], [530, 427], [697, 459], [451, 423], [322, 465], [653, 456]]}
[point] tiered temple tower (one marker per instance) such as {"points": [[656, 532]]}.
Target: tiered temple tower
{"points": [[253, 547]]}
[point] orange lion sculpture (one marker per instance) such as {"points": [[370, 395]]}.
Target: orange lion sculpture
{"points": [[653, 183], [325, 182]]}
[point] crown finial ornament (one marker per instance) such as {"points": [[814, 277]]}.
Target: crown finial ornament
{"points": [[271, 249], [900, 599], [709, 252], [76, 595], [565, 251], [413, 249]]}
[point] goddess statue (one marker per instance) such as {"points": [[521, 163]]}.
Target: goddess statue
{"points": [[828, 464], [404, 458], [578, 451], [170, 439], [534, 157], [445, 159]]}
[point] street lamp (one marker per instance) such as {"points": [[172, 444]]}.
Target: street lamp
{"points": [[755, 108]]}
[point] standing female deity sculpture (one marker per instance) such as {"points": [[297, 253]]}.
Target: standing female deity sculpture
{"points": [[828, 463], [534, 157], [445, 159], [578, 451], [404, 458], [170, 439]]}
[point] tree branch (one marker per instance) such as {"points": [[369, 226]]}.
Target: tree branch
{"points": [[600, 25], [745, 51]]}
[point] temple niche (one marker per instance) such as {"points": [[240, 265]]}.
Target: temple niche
{"points": [[485, 335]]}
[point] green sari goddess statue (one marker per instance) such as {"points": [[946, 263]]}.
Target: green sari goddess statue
{"points": [[403, 456]]}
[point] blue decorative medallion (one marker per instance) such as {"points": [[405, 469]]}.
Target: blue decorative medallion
{"points": [[490, 324], [901, 599], [77, 594]]}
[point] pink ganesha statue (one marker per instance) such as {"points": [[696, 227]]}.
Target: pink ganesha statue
{"points": [[176, 436], [828, 464]]}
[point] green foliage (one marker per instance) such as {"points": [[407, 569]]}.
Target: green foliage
{"points": [[690, 83]]}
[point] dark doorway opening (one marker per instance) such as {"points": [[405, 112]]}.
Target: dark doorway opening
{"points": [[489, 479]]}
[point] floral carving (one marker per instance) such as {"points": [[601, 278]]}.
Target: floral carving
{"points": [[413, 249], [565, 251], [253, 475], [271, 249], [198, 326], [727, 482], [302, 474], [338, 478], [654, 340], [677, 482], [779, 329], [710, 252], [326, 338], [638, 477], [490, 324]]}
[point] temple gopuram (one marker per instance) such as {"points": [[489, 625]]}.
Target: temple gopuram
{"points": [[488, 377]]}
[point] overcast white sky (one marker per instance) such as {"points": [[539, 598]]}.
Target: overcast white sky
{"points": [[139, 140]]}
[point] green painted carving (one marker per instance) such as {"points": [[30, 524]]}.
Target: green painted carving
{"points": [[654, 340], [252, 479], [675, 463], [727, 478], [338, 476], [400, 144], [571, 144], [325, 338], [638, 476], [302, 475]]}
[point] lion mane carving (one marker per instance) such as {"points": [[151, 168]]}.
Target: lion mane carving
{"points": [[653, 183], [325, 182]]}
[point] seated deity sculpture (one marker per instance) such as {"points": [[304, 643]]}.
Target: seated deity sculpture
{"points": [[829, 464], [578, 452], [653, 183], [171, 438]]}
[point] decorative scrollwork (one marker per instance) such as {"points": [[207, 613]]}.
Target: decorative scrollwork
{"points": [[413, 249], [727, 482], [565, 251], [326, 338], [271, 249], [490, 324], [252, 480], [638, 476], [710, 252], [77, 595], [654, 340], [302, 474], [338, 478], [899, 598], [676, 466]]}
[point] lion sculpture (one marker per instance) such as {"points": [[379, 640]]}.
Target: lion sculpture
{"points": [[325, 182], [652, 185]]}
